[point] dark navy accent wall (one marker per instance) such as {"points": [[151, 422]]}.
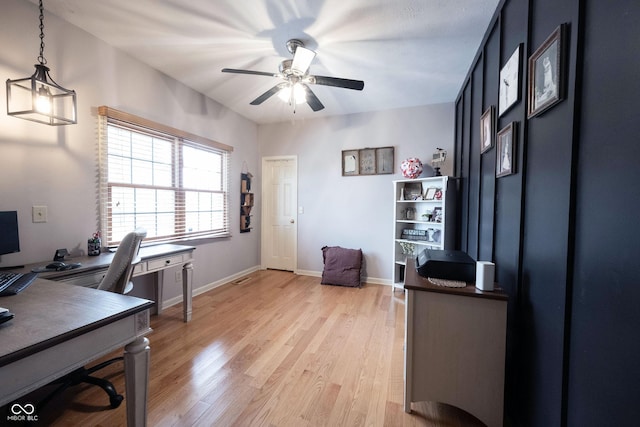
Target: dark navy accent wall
{"points": [[474, 173], [563, 231], [491, 60], [604, 372]]}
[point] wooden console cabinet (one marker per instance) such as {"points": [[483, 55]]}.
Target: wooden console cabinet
{"points": [[455, 347]]}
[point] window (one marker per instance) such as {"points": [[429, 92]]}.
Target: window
{"points": [[169, 182]]}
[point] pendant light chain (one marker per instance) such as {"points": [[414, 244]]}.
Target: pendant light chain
{"points": [[41, 57]]}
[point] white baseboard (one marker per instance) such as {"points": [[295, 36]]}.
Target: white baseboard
{"points": [[372, 280], [210, 286], [218, 283]]}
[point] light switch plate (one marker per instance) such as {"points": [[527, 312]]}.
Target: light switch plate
{"points": [[39, 214]]}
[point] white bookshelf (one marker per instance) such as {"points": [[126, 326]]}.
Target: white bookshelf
{"points": [[423, 217]]}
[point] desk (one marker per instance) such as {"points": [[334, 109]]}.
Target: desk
{"points": [[455, 347], [155, 259], [58, 328]]}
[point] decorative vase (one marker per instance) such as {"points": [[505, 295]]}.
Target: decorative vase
{"points": [[411, 167]]}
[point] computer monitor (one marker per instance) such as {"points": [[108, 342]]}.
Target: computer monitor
{"points": [[9, 241]]}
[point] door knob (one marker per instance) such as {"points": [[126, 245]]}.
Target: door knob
{"points": [[292, 221]]}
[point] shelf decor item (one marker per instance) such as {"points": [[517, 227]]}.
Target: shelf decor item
{"points": [[411, 167], [430, 194], [246, 200], [408, 248]]}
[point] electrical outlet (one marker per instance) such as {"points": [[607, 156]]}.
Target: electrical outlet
{"points": [[39, 214]]}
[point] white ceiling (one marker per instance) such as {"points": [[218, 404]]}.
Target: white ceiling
{"points": [[408, 52]]}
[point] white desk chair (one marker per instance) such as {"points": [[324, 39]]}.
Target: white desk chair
{"points": [[117, 280], [118, 277]]}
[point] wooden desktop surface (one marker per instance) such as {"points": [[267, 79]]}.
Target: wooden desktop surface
{"points": [[48, 312], [60, 327], [103, 260], [154, 260], [416, 282]]}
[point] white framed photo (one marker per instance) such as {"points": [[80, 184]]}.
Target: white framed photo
{"points": [[510, 82]]}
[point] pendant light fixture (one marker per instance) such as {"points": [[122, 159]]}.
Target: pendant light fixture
{"points": [[39, 98]]}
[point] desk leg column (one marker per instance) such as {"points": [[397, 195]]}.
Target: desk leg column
{"points": [[136, 368], [187, 290], [409, 297], [159, 291]]}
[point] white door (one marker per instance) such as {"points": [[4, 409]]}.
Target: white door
{"points": [[279, 208]]}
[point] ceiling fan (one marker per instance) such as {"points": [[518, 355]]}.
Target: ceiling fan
{"points": [[296, 79]]}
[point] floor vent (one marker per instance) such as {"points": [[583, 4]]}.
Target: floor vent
{"points": [[242, 280]]}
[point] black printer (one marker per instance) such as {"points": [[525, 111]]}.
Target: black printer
{"points": [[446, 264]]}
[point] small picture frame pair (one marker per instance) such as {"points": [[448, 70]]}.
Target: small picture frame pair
{"points": [[505, 140]]}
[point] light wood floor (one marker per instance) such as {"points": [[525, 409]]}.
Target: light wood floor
{"points": [[275, 350]]}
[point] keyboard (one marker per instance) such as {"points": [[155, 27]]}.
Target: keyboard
{"points": [[13, 283]]}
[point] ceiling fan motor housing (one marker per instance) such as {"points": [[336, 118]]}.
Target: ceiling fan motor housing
{"points": [[293, 44], [289, 73]]}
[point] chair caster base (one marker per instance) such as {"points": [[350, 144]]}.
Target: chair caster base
{"points": [[115, 400]]}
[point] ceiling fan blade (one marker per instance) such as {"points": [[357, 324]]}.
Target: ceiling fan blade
{"points": [[257, 73], [302, 59], [336, 82], [268, 94], [312, 99]]}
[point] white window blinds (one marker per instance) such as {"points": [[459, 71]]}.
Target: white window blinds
{"points": [[172, 183]]}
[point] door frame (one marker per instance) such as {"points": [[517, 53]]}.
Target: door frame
{"points": [[263, 213]]}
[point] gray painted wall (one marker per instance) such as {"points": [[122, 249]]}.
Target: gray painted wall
{"points": [[354, 211], [57, 167]]}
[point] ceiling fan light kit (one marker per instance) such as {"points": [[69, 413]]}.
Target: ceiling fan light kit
{"points": [[296, 79], [293, 94]]}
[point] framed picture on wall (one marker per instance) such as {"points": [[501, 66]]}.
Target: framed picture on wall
{"points": [[487, 129], [510, 82], [367, 161], [350, 162], [384, 160], [546, 74], [506, 149]]}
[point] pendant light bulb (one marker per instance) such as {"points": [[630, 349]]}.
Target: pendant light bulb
{"points": [[43, 101]]}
